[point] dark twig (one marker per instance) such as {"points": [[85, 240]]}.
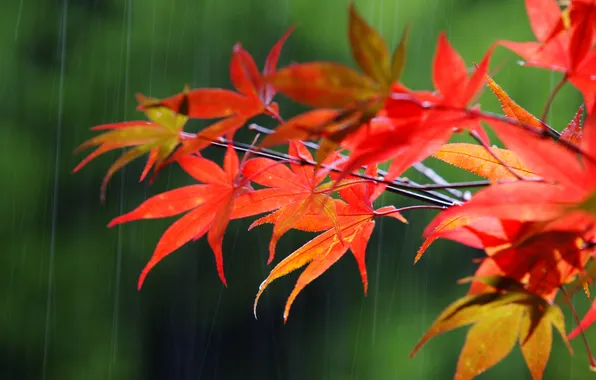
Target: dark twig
{"points": [[439, 182], [436, 178], [546, 132], [551, 97], [266, 153]]}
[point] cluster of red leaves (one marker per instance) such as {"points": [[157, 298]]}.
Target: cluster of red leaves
{"points": [[535, 221]]}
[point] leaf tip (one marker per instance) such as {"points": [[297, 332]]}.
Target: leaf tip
{"points": [[141, 279], [254, 306], [223, 280]]}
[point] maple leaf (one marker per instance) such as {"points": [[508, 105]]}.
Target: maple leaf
{"points": [[446, 224], [424, 121], [329, 85], [356, 224], [584, 79], [523, 200], [158, 137], [500, 317], [295, 191], [569, 53], [537, 255], [512, 109], [566, 169], [549, 52], [579, 12], [253, 97], [209, 207]]}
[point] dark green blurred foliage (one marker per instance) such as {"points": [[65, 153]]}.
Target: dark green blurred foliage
{"points": [[69, 308]]}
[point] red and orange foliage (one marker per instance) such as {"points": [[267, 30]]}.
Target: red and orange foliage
{"points": [[534, 219]]}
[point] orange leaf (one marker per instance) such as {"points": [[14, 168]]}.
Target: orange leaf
{"points": [[321, 252], [305, 126], [207, 103], [445, 224], [304, 185], [355, 221], [204, 138], [323, 84], [512, 109], [533, 149], [474, 158]]}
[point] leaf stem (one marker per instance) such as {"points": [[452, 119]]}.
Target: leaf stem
{"points": [[583, 334], [551, 97]]}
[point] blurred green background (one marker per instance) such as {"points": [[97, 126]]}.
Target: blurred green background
{"points": [[69, 308]]}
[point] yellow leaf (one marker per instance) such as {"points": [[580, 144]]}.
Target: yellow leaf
{"points": [[475, 159], [489, 341]]}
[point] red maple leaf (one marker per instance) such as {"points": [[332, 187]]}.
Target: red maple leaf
{"points": [[209, 205], [548, 52], [423, 121], [566, 49], [344, 98], [568, 182], [295, 191], [253, 97], [578, 12], [356, 224]]}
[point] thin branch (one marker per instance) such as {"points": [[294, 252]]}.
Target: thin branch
{"points": [[472, 113], [394, 185], [551, 97], [448, 186], [419, 207], [284, 157], [436, 178], [578, 321], [439, 182], [416, 207]]}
